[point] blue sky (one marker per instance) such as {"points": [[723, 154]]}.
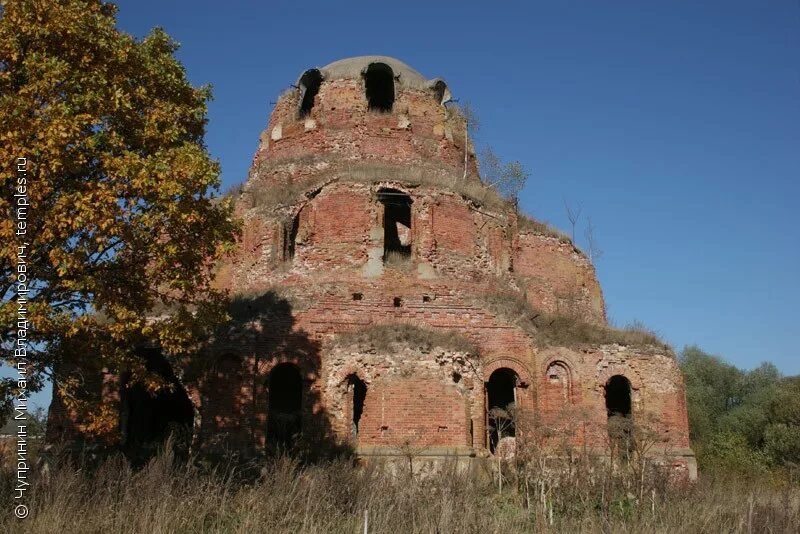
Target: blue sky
{"points": [[674, 125]]}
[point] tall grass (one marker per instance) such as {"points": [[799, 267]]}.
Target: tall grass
{"points": [[281, 495]]}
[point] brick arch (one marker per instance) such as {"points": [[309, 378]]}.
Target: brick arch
{"points": [[638, 396], [557, 362], [341, 375], [514, 364], [265, 367], [551, 400], [623, 370], [560, 358]]}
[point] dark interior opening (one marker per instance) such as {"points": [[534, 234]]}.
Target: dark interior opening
{"points": [[379, 82], [618, 406], [358, 389], [618, 396], [309, 85], [440, 90], [396, 224], [284, 414], [501, 395], [290, 238], [148, 419]]}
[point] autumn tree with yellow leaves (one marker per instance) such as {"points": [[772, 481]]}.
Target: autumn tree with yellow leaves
{"points": [[123, 214]]}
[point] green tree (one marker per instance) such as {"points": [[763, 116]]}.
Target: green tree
{"points": [[782, 435], [712, 388], [123, 213], [741, 419]]}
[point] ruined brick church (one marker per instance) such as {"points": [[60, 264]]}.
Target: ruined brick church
{"points": [[385, 298]]}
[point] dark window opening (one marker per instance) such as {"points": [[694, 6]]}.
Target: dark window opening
{"points": [[618, 396], [396, 225], [290, 237], [397, 302], [442, 94], [501, 398], [379, 83], [618, 407], [148, 419], [285, 405], [358, 391], [358, 296], [426, 298], [309, 86]]}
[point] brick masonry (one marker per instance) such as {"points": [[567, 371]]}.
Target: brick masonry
{"points": [[311, 263]]}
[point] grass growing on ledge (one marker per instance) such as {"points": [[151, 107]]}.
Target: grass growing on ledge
{"points": [[567, 331], [412, 174], [281, 195], [528, 224], [382, 337]]}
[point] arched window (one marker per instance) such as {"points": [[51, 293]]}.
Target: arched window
{"points": [[396, 224], [379, 83], [618, 396], [558, 380], [284, 414], [148, 419], [309, 87], [441, 92], [501, 399]]}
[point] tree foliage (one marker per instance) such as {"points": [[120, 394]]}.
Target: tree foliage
{"points": [[122, 189], [741, 419]]}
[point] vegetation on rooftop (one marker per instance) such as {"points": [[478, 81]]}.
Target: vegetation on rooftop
{"points": [[385, 337], [567, 330]]}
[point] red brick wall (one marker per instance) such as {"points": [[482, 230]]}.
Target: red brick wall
{"points": [[415, 411], [558, 278], [453, 226], [418, 130]]}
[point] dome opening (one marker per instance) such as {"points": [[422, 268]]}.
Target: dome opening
{"points": [[379, 83]]}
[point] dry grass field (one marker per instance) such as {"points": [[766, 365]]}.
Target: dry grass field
{"points": [[283, 495]]}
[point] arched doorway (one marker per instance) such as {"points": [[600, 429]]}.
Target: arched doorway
{"points": [[618, 409], [148, 419], [501, 397], [284, 414]]}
